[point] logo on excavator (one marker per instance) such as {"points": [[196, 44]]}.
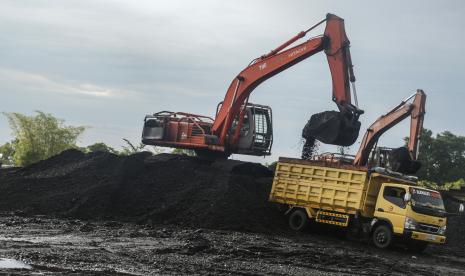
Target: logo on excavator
{"points": [[262, 66], [297, 51]]}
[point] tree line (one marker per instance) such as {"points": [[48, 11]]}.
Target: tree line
{"points": [[42, 135], [442, 158]]}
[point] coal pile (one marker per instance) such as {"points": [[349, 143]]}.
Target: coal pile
{"points": [[145, 188], [455, 226]]}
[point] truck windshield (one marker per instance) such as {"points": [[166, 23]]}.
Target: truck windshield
{"points": [[428, 199]]}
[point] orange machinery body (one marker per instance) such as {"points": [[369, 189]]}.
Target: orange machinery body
{"points": [[185, 130], [191, 131], [416, 111]]}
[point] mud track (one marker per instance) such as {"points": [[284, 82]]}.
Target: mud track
{"points": [[59, 246]]}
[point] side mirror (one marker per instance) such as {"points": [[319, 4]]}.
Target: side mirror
{"points": [[461, 208], [407, 197]]}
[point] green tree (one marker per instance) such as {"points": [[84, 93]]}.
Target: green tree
{"points": [[40, 137], [456, 185], [442, 157], [100, 146], [130, 148], [7, 152]]}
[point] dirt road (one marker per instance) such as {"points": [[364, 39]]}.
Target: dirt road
{"points": [[58, 246]]}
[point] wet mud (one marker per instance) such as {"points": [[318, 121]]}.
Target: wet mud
{"points": [[74, 247]]}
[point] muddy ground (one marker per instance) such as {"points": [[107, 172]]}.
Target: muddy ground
{"points": [[103, 214], [62, 246]]}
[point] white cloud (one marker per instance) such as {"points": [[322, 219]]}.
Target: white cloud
{"points": [[34, 82]]}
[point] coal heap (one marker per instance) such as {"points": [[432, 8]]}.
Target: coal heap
{"points": [[145, 188], [158, 189], [455, 225]]}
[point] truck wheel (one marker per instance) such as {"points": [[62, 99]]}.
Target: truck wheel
{"points": [[298, 220], [382, 236], [417, 246]]}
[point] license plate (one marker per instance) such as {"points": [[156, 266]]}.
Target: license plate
{"points": [[430, 238]]}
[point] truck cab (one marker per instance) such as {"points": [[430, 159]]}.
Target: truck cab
{"points": [[408, 212]]}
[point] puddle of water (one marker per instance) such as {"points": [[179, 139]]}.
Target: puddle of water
{"points": [[13, 264]]}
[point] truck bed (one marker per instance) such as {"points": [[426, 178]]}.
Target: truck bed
{"points": [[319, 185], [329, 186]]}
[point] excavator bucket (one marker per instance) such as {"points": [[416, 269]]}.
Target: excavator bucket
{"points": [[401, 161], [332, 127]]}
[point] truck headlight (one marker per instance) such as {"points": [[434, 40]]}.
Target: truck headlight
{"points": [[442, 230], [410, 223]]}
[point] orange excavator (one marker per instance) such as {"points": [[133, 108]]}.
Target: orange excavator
{"points": [[403, 159], [245, 128]]}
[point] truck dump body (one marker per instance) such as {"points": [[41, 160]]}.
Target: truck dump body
{"points": [[308, 184], [326, 186]]}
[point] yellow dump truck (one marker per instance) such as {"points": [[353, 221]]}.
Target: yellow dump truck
{"points": [[383, 205]]}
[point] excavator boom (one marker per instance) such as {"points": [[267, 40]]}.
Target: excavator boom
{"points": [[336, 46]]}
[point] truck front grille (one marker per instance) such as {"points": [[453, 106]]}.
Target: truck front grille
{"points": [[428, 228]]}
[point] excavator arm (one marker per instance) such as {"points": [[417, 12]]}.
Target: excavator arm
{"points": [[416, 111], [336, 46]]}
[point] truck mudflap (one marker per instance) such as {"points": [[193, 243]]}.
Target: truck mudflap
{"points": [[432, 238]]}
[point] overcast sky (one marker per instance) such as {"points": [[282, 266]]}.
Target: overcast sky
{"points": [[106, 64]]}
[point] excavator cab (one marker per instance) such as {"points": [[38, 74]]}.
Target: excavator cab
{"points": [[394, 159], [256, 133], [379, 157]]}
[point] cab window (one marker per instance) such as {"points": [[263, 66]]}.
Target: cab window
{"points": [[244, 128], [395, 195]]}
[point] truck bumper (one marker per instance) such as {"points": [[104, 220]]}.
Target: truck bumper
{"points": [[432, 238]]}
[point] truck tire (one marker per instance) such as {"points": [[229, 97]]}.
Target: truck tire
{"points": [[417, 246], [382, 236], [298, 220]]}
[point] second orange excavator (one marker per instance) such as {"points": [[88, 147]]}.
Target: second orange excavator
{"points": [[245, 128], [403, 159], [397, 160]]}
